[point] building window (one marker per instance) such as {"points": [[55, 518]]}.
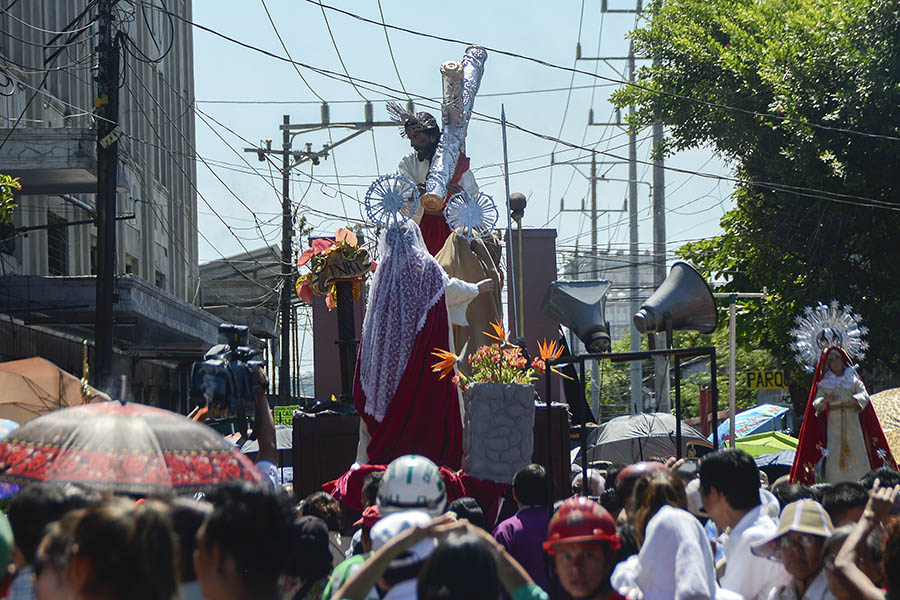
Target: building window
{"points": [[57, 245], [160, 280]]}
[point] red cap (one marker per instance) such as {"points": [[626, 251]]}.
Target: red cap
{"points": [[581, 519], [370, 516]]}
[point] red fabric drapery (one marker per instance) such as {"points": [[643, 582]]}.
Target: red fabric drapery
{"points": [[423, 417], [435, 230], [348, 488], [813, 432]]}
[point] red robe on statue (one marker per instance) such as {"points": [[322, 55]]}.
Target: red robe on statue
{"points": [[813, 444], [348, 488], [435, 230], [423, 416]]}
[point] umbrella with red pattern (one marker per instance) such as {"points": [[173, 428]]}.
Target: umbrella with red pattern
{"points": [[122, 447]]}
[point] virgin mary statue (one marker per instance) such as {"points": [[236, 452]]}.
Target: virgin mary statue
{"points": [[841, 438]]}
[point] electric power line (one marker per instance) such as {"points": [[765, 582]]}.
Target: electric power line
{"points": [[432, 99], [798, 190], [644, 88], [188, 142], [391, 50], [197, 191]]}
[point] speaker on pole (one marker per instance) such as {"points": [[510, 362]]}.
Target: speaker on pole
{"points": [[581, 306], [683, 302]]}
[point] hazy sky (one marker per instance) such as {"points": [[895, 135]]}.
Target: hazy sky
{"points": [[268, 88]]}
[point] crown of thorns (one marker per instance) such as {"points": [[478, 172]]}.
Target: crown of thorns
{"points": [[412, 122]]}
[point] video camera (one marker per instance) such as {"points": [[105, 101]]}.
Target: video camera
{"points": [[226, 377]]}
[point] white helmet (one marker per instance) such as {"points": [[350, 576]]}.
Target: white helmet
{"points": [[412, 482]]}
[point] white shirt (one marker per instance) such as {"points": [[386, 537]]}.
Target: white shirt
{"points": [[817, 590], [770, 504], [417, 171], [751, 576], [190, 590], [22, 587], [405, 590], [675, 561]]}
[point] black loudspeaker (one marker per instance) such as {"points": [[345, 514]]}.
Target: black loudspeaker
{"points": [[580, 306], [683, 301]]}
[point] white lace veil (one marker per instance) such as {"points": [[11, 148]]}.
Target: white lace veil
{"points": [[406, 284]]}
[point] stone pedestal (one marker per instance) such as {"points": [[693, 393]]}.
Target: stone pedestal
{"points": [[498, 430]]}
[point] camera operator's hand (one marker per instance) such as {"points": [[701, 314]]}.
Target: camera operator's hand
{"points": [[262, 379], [264, 424], [216, 411], [204, 413]]}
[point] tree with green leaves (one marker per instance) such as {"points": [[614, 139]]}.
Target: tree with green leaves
{"points": [[7, 201], [615, 382], [802, 100]]}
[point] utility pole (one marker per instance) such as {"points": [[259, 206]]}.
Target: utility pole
{"points": [[660, 363], [287, 266], [595, 212], [291, 158], [637, 397], [732, 350], [636, 371], [108, 131], [595, 365]]}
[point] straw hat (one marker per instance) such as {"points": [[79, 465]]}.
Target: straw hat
{"points": [[803, 516]]}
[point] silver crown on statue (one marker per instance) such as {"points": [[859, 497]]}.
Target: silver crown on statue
{"points": [[470, 217], [391, 200], [821, 326]]}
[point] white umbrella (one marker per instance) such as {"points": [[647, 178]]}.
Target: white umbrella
{"points": [[633, 438]]}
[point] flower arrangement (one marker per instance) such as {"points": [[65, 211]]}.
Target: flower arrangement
{"points": [[502, 362], [331, 262]]}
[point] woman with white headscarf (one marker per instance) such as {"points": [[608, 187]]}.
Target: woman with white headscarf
{"points": [[405, 407], [675, 561]]}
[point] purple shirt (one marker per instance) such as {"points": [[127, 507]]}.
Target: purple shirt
{"points": [[523, 536]]}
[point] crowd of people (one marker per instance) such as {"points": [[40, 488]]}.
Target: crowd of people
{"points": [[653, 530]]}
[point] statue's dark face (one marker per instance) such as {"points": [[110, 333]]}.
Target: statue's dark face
{"points": [[423, 143], [836, 363]]}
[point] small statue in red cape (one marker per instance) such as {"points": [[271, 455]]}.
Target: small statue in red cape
{"points": [[841, 438]]}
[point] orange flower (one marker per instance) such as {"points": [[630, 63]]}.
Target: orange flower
{"points": [[498, 330], [331, 297], [304, 291], [319, 246], [551, 350], [345, 235], [446, 364]]}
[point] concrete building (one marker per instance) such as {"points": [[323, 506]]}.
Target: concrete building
{"points": [[52, 148], [248, 296], [48, 139]]}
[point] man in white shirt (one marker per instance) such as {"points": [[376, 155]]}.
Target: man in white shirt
{"points": [[729, 487]]}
